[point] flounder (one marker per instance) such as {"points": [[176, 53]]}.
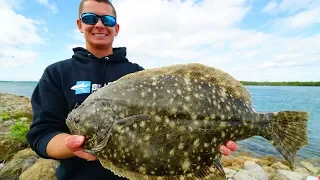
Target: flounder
{"points": [[167, 123]]}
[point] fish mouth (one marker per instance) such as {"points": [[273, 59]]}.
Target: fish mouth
{"points": [[99, 144]]}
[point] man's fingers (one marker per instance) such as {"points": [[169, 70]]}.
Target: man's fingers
{"points": [[80, 153], [224, 150], [232, 145], [74, 141]]}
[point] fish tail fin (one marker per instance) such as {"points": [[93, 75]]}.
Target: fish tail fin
{"points": [[288, 131]]}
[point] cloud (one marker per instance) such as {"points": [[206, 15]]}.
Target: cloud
{"points": [[292, 6], [209, 32], [301, 20], [270, 7], [288, 6], [15, 57], [51, 6], [16, 38]]}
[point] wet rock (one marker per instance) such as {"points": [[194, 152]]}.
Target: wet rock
{"points": [[254, 170], [43, 169], [234, 163], [18, 164], [243, 175], [310, 167], [280, 165], [249, 165], [229, 172], [302, 170], [9, 146], [292, 175]]}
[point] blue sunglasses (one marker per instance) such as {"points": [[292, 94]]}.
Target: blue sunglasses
{"points": [[92, 19]]}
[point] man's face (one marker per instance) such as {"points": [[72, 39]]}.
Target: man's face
{"points": [[98, 35]]}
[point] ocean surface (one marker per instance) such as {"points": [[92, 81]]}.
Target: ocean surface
{"points": [[265, 99]]}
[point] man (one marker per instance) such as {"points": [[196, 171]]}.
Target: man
{"points": [[65, 84]]}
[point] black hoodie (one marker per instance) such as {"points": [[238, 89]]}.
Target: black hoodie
{"points": [[64, 85]]}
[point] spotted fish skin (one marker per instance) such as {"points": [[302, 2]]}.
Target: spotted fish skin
{"points": [[169, 126]]}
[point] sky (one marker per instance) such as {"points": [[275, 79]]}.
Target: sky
{"points": [[252, 40]]}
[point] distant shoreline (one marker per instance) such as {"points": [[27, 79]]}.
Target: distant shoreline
{"points": [[282, 83], [19, 81], [255, 83]]}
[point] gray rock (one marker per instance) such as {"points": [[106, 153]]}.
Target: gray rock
{"points": [[310, 167], [242, 175], [1, 165], [302, 170], [248, 165], [292, 175], [252, 171], [229, 172], [280, 165]]}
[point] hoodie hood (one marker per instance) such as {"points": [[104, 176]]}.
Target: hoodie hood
{"points": [[82, 54]]}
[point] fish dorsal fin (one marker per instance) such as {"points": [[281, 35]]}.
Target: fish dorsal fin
{"points": [[215, 172], [201, 72]]}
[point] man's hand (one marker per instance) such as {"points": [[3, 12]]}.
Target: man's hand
{"points": [[229, 148], [74, 143]]}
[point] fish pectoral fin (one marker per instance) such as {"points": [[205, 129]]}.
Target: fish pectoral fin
{"points": [[215, 172], [128, 121]]}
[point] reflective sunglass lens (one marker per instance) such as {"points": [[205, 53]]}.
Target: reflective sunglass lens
{"points": [[89, 19], [108, 21]]}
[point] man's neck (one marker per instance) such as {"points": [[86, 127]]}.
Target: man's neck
{"points": [[100, 52]]}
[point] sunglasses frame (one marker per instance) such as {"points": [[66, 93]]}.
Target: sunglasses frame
{"points": [[99, 17]]}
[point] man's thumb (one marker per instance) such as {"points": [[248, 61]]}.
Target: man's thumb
{"points": [[74, 141]]}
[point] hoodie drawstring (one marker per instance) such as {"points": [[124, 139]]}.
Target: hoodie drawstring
{"points": [[103, 72]]}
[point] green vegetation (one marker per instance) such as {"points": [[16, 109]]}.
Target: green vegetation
{"points": [[15, 115], [5, 116], [284, 83], [19, 130]]}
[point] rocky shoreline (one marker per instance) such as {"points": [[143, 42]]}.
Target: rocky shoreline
{"points": [[18, 161]]}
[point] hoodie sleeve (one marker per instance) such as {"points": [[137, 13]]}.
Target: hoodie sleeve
{"points": [[139, 68], [49, 112]]}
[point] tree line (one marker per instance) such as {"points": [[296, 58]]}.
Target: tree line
{"points": [[290, 83]]}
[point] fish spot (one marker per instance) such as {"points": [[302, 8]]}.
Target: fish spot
{"points": [[157, 118], [171, 153], [142, 170], [171, 100], [181, 146], [182, 128], [196, 95], [142, 124], [214, 140], [172, 124], [196, 143], [146, 137], [186, 165], [199, 158], [223, 134]]}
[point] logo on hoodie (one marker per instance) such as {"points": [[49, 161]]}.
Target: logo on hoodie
{"points": [[82, 87]]}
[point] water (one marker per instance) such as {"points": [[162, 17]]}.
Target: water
{"points": [[18, 88], [277, 98], [265, 99]]}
